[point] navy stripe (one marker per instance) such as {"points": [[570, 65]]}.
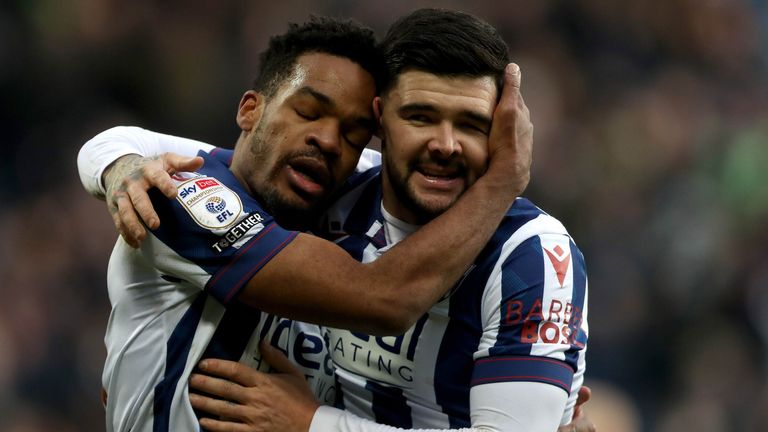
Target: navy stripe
{"points": [[267, 325], [578, 301], [233, 333], [522, 287], [354, 246], [194, 242], [454, 362], [251, 257], [222, 154], [367, 209], [356, 180], [176, 359], [523, 368], [389, 405]]}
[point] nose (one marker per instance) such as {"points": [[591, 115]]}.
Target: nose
{"points": [[444, 142], [327, 137]]}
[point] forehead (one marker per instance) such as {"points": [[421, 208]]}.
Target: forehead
{"points": [[339, 78], [449, 92]]}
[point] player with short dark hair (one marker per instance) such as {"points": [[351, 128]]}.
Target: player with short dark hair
{"points": [[505, 349], [178, 298], [443, 42]]}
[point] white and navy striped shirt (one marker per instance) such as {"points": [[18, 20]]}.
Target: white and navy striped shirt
{"points": [[519, 314], [172, 302]]}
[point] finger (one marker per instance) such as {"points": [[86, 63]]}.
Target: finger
{"points": [[130, 227], [115, 214], [510, 91], [232, 371], [174, 163], [171, 163], [143, 205], [585, 394], [214, 425], [219, 387], [512, 75], [509, 103], [277, 360], [217, 407]]}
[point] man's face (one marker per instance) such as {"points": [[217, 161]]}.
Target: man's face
{"points": [[310, 136], [435, 137]]}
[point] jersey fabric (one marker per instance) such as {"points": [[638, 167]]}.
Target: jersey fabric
{"points": [[519, 314], [173, 302]]}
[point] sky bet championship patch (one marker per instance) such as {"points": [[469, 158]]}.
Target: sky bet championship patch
{"points": [[211, 204]]}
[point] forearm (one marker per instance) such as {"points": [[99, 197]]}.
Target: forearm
{"points": [[98, 153], [497, 407], [415, 273], [328, 419], [315, 281]]}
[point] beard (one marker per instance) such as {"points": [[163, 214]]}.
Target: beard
{"points": [[289, 212], [423, 209]]}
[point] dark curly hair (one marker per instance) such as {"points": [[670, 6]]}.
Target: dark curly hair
{"points": [[340, 37], [444, 43]]}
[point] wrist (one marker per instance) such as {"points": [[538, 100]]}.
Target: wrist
{"points": [[504, 182], [114, 168]]}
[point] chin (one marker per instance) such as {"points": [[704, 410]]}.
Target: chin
{"points": [[428, 210]]}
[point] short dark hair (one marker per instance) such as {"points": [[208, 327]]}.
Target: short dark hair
{"points": [[340, 37], [443, 42]]}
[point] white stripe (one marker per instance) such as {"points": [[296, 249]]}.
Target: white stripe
{"points": [[425, 412], [492, 294], [554, 292]]}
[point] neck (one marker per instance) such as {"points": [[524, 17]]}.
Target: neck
{"points": [[239, 166]]}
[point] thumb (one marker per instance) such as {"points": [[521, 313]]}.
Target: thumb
{"points": [[510, 96], [174, 163], [277, 360], [512, 75], [585, 394]]}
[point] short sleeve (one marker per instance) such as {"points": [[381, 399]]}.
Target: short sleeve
{"points": [[534, 311], [213, 234]]}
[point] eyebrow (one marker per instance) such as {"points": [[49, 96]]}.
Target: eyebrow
{"points": [[321, 97], [366, 122], [472, 115]]}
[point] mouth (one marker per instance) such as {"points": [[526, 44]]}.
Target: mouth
{"points": [[309, 177], [441, 178], [439, 173]]}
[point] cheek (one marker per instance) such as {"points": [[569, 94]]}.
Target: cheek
{"points": [[476, 156], [346, 166]]}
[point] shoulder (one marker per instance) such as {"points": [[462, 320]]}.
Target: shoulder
{"points": [[530, 243], [525, 220], [356, 205], [210, 199]]}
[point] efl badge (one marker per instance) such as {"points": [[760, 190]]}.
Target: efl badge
{"points": [[211, 204]]}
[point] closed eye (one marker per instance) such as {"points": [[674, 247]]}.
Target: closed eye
{"points": [[419, 118], [307, 115], [471, 127]]}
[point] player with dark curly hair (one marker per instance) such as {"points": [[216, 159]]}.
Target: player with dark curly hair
{"points": [[226, 248]]}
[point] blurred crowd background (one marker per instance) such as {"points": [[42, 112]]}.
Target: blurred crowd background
{"points": [[651, 145]]}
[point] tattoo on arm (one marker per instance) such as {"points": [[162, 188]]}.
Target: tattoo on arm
{"points": [[124, 171]]}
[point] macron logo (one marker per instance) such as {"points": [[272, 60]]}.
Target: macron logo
{"points": [[560, 261]]}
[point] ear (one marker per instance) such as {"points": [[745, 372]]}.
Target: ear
{"points": [[377, 115], [250, 110]]}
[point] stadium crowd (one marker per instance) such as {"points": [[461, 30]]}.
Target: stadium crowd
{"points": [[651, 139]]}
